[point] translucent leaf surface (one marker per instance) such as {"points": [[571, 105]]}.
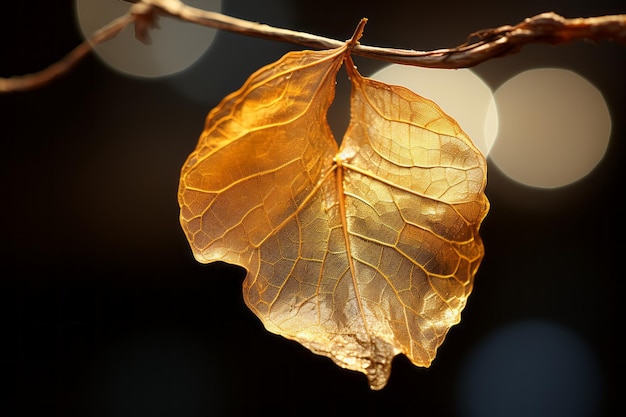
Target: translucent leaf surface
{"points": [[358, 253]]}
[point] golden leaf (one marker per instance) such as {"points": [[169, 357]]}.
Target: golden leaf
{"points": [[358, 253]]}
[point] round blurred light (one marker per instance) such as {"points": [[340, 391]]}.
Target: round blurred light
{"points": [[554, 127], [531, 368], [462, 94], [174, 46]]}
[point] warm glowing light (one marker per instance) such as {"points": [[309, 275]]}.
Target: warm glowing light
{"points": [[554, 127], [460, 93], [174, 46]]}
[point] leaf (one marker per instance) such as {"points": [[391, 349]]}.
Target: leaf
{"points": [[358, 253]]}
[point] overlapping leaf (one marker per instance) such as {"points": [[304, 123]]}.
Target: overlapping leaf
{"points": [[358, 253]]}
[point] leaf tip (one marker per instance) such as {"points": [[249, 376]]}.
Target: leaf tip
{"points": [[378, 378]]}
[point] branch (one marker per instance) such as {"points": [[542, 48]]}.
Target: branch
{"points": [[481, 46]]}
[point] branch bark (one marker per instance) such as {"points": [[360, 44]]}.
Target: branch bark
{"points": [[481, 46]]}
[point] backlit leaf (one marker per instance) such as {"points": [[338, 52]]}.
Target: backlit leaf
{"points": [[360, 252]]}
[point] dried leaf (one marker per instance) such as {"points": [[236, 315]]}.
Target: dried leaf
{"points": [[358, 253]]}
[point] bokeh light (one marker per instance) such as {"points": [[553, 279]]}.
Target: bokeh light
{"points": [[460, 93], [233, 58], [174, 45], [531, 368], [554, 127]]}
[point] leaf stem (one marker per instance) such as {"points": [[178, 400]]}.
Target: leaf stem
{"points": [[358, 32]]}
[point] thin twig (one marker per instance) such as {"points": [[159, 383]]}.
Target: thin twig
{"points": [[41, 78], [481, 46]]}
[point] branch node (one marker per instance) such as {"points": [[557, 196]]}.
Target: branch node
{"points": [[146, 19]]}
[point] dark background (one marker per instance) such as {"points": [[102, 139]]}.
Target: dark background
{"points": [[104, 311]]}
